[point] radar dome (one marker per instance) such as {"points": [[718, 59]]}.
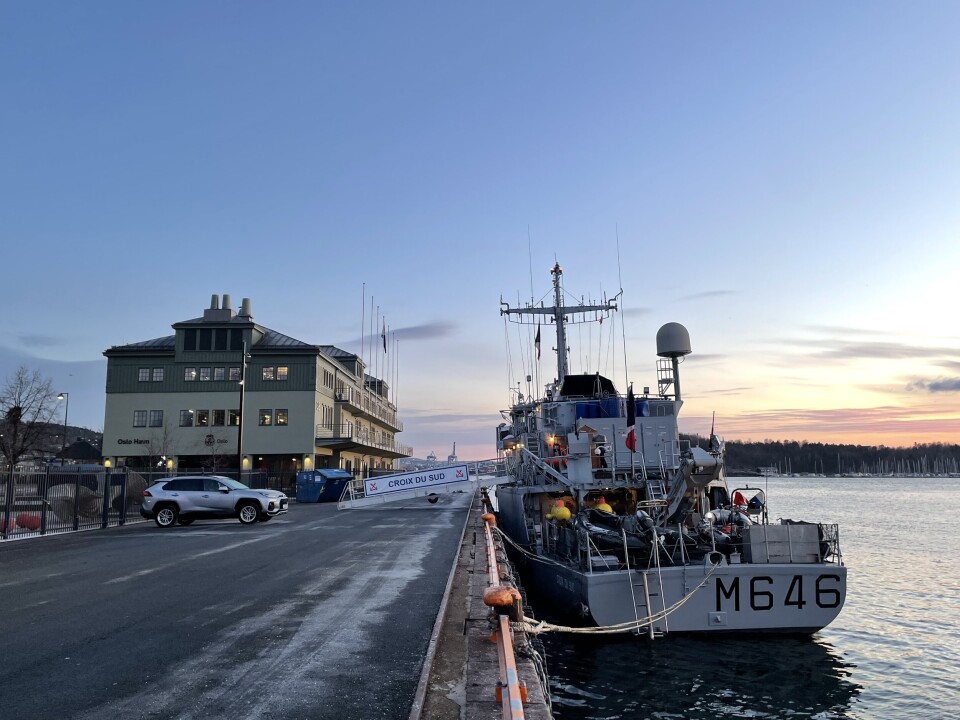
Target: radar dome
{"points": [[673, 340]]}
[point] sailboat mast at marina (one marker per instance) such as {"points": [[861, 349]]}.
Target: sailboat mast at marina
{"points": [[618, 523]]}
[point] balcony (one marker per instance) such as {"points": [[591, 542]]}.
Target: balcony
{"points": [[369, 406], [346, 436]]}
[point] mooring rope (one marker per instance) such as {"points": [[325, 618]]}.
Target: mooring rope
{"points": [[536, 627]]}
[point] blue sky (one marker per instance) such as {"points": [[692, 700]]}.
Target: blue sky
{"points": [[781, 178]]}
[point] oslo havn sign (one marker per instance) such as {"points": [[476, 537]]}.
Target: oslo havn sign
{"points": [[421, 479]]}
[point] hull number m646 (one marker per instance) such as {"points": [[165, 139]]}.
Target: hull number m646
{"points": [[762, 596]]}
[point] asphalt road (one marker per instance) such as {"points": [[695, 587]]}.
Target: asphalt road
{"points": [[319, 613]]}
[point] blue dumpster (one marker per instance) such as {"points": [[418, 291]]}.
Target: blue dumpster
{"points": [[323, 485]]}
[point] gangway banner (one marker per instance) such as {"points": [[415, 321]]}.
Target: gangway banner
{"points": [[420, 479]]}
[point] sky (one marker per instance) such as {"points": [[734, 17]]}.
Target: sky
{"points": [[781, 178]]}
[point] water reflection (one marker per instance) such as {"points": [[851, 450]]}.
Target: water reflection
{"points": [[693, 677]]}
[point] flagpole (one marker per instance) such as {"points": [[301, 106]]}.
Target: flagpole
{"points": [[363, 320], [631, 428], [369, 347]]}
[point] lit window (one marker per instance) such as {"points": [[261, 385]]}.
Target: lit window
{"points": [[203, 418], [156, 418], [186, 418], [139, 418], [282, 373], [219, 373], [189, 374], [158, 374], [282, 417], [235, 374], [266, 417], [144, 375], [268, 373], [219, 417], [234, 418], [205, 374]]}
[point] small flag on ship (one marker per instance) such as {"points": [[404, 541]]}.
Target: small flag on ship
{"points": [[631, 440]]}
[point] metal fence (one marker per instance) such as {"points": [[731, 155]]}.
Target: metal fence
{"points": [[65, 498]]}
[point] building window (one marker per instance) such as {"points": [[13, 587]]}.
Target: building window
{"points": [[233, 419], [205, 374], [282, 417], [269, 373], [219, 417], [144, 375], [220, 339], [266, 417], [189, 374], [190, 339], [203, 418], [235, 374], [206, 339], [186, 418], [219, 373], [282, 373], [139, 418], [156, 418], [158, 374]]}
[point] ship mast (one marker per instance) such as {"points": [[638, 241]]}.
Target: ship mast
{"points": [[562, 314]]}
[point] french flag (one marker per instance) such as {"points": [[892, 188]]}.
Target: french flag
{"points": [[631, 441]]}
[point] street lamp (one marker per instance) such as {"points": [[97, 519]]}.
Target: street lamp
{"points": [[243, 377], [66, 411]]}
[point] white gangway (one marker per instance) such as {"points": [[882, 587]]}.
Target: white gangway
{"points": [[429, 483]]}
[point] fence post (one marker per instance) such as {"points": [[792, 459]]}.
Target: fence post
{"points": [[45, 500], [122, 509], [76, 502], [105, 510], [8, 502]]}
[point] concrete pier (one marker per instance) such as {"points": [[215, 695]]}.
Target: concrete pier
{"points": [[462, 669]]}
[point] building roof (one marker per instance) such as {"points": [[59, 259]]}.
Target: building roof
{"points": [[274, 339], [269, 340], [335, 352]]}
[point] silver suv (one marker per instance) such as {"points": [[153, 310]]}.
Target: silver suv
{"points": [[187, 498]]}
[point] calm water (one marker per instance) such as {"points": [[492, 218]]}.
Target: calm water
{"points": [[894, 652]]}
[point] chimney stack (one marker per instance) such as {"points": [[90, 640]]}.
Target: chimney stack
{"points": [[245, 309], [226, 301]]}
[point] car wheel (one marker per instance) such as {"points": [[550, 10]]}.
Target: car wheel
{"points": [[249, 513], [167, 516], [185, 521]]}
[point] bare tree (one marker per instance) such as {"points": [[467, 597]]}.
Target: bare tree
{"points": [[216, 458], [27, 405], [158, 448]]}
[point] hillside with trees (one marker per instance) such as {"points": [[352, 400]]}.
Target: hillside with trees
{"points": [[795, 457]]}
